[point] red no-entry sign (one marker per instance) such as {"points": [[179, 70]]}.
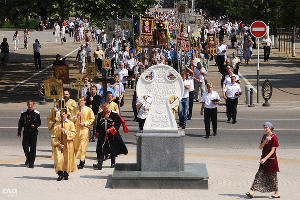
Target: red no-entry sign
{"points": [[258, 29]]}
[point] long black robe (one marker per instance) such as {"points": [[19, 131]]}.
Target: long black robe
{"points": [[112, 142]]}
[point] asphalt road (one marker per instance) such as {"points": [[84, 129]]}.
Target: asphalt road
{"points": [[245, 134]]}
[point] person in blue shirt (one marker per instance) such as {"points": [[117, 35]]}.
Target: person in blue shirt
{"points": [[102, 98]]}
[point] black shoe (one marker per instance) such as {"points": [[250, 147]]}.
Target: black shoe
{"points": [[228, 120], [189, 118], [31, 166], [215, 134], [60, 176], [81, 165], [98, 165], [27, 163], [206, 137], [112, 162], [66, 175], [93, 140], [234, 122], [183, 127]]}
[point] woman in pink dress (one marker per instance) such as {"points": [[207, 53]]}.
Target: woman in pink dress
{"points": [[266, 177]]}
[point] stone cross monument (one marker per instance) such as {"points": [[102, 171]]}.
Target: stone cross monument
{"points": [[160, 82], [160, 147]]}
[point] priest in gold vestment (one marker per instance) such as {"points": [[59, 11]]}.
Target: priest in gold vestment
{"points": [[53, 117], [84, 121], [62, 138], [70, 105]]}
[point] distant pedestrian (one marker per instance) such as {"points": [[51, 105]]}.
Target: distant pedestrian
{"points": [[26, 38], [266, 177], [81, 58], [267, 42], [36, 54], [4, 51], [16, 40]]}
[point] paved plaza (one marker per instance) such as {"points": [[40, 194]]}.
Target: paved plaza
{"points": [[231, 157]]}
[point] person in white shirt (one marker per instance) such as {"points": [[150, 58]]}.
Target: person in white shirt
{"points": [[16, 40], [184, 103], [199, 80], [143, 105], [36, 54], [71, 28], [267, 42], [191, 93], [88, 50], [81, 32], [56, 31], [62, 34], [221, 55], [235, 61], [131, 63], [209, 102], [227, 78], [123, 74], [104, 40], [119, 90], [231, 93], [81, 58]]}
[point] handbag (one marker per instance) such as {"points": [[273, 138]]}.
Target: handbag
{"points": [[64, 39], [53, 33]]}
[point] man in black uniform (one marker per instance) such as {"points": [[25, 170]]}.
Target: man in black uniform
{"points": [[30, 120], [109, 138], [93, 101]]}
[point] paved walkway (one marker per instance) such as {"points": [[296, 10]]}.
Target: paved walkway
{"points": [[231, 174]]}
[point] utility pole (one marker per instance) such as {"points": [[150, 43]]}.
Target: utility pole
{"points": [[294, 42]]}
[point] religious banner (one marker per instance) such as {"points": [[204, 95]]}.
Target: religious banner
{"points": [[106, 63], [53, 88], [211, 44], [147, 29], [183, 44], [91, 71], [125, 23], [110, 25], [181, 7], [61, 72], [162, 33]]}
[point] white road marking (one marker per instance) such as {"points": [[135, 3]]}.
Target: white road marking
{"points": [[225, 129], [245, 129], [285, 119], [248, 83], [37, 73]]}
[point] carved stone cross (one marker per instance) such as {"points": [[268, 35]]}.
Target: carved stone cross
{"points": [[160, 82]]}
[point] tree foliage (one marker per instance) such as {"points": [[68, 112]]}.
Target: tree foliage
{"points": [[274, 12], [95, 10]]}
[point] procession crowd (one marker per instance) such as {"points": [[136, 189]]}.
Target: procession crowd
{"points": [[96, 114]]}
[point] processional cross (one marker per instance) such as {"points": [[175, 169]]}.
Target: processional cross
{"points": [[78, 85]]}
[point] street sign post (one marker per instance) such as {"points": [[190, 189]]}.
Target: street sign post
{"points": [[258, 29]]}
